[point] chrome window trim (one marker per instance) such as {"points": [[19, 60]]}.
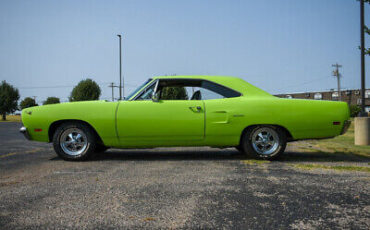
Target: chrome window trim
{"points": [[201, 79], [156, 81], [143, 89], [155, 88]]}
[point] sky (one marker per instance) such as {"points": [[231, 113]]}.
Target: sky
{"points": [[281, 46]]}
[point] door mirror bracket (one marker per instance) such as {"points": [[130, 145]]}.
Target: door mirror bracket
{"points": [[155, 97]]}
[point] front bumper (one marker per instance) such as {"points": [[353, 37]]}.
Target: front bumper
{"points": [[345, 127], [24, 131]]}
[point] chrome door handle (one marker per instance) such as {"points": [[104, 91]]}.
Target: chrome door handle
{"points": [[198, 108]]}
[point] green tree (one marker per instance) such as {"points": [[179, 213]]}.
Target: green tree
{"points": [[86, 90], [9, 97], [174, 93], [28, 102], [354, 110], [51, 100], [367, 30]]}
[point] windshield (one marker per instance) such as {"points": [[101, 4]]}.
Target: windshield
{"points": [[137, 90]]}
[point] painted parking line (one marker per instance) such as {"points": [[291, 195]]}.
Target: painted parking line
{"points": [[25, 152]]}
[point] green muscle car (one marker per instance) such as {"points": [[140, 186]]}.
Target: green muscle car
{"points": [[170, 111]]}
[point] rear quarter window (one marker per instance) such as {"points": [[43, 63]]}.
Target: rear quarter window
{"points": [[219, 89]]}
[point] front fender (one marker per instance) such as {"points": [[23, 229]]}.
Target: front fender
{"points": [[98, 114]]}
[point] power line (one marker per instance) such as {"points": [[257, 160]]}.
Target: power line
{"points": [[54, 86], [304, 83], [46, 87], [65, 86]]}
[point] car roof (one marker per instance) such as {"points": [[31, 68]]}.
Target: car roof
{"points": [[234, 83]]}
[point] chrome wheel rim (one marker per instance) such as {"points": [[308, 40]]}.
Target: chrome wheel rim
{"points": [[265, 141], [73, 141]]}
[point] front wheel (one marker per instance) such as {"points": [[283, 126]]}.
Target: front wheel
{"points": [[101, 148], [264, 142], [74, 141]]}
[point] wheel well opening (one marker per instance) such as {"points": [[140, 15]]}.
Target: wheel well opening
{"points": [[287, 133], [53, 127]]}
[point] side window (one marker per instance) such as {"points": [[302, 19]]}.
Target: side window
{"points": [[193, 89], [208, 94], [174, 93], [210, 90], [147, 93]]}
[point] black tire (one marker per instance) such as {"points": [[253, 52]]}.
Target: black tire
{"points": [[261, 147], [101, 148], [239, 148], [81, 154]]}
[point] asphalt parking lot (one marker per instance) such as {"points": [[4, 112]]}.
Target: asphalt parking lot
{"points": [[175, 188]]}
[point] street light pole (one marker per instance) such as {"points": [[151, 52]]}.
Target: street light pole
{"points": [[120, 68], [362, 58]]}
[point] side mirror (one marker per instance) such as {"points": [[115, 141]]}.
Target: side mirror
{"points": [[155, 97]]}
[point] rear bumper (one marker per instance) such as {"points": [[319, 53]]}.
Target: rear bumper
{"points": [[24, 131], [345, 127]]}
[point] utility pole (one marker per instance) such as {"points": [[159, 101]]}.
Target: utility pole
{"points": [[337, 74], [121, 89], [112, 86], [362, 59], [362, 123]]}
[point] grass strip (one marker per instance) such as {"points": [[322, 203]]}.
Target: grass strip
{"points": [[333, 167]]}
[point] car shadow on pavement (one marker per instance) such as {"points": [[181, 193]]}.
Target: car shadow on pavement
{"points": [[217, 154], [169, 155]]}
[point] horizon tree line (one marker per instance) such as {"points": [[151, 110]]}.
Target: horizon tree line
{"points": [[85, 90]]}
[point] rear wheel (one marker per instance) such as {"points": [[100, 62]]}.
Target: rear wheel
{"points": [[74, 141], [264, 142], [239, 148]]}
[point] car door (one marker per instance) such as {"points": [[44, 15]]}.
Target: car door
{"points": [[224, 112], [146, 123]]}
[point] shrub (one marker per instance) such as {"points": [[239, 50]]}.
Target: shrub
{"points": [[86, 90], [28, 102], [354, 110], [51, 100]]}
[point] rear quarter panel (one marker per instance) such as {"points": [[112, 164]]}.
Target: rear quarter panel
{"points": [[304, 119], [313, 119]]}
